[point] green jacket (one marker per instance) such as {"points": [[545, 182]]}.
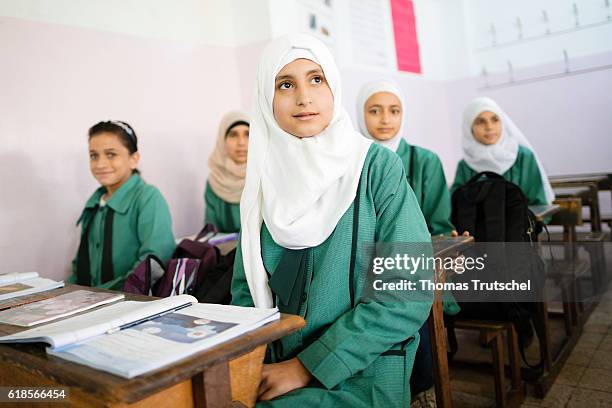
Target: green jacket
{"points": [[223, 215], [341, 345], [429, 186], [525, 173], [141, 226]]}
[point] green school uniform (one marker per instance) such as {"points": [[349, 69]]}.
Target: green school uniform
{"points": [[223, 215], [426, 177], [525, 173], [141, 226], [341, 345]]}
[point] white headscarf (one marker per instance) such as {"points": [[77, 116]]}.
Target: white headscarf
{"points": [[226, 177], [368, 90], [498, 157], [300, 187]]}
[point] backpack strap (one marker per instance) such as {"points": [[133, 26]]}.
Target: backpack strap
{"points": [[354, 245], [107, 269], [540, 331], [411, 167], [83, 266]]}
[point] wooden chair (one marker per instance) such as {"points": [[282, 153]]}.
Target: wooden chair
{"points": [[564, 275], [491, 334]]}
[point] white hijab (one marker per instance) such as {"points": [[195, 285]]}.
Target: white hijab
{"points": [[299, 187], [498, 157], [368, 90]]}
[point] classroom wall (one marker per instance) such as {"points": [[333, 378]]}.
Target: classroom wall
{"points": [[56, 82]]}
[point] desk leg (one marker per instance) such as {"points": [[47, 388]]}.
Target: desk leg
{"points": [[438, 349], [211, 389]]}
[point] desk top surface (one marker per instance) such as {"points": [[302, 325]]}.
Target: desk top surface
{"points": [[576, 191], [543, 211], [108, 387], [443, 246], [603, 180]]}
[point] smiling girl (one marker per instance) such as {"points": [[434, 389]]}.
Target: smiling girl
{"points": [[315, 192], [125, 219], [492, 142], [227, 165]]}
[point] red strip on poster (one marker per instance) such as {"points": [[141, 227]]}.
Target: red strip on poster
{"points": [[406, 41]]}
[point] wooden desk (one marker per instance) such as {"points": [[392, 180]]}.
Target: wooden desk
{"points": [[442, 247], [588, 193], [603, 181], [542, 212], [201, 380]]}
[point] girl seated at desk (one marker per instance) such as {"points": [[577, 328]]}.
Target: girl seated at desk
{"points": [[315, 192], [382, 118], [125, 219], [492, 142], [227, 165]]}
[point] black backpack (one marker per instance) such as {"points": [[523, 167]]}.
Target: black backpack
{"points": [[493, 209]]}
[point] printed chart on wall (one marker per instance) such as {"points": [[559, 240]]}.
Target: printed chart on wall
{"points": [[370, 41]]}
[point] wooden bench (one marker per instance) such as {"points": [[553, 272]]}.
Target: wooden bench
{"points": [[588, 194], [491, 334], [603, 182], [564, 275], [442, 247]]}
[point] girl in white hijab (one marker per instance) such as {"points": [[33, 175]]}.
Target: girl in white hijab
{"points": [[227, 165], [381, 112], [492, 142], [315, 191]]}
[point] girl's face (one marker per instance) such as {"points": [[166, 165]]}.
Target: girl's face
{"points": [[303, 102], [110, 161], [487, 128], [237, 143], [383, 115]]}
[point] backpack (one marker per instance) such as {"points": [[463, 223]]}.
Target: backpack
{"points": [[195, 268], [493, 209]]}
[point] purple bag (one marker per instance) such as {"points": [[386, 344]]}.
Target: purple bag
{"points": [[144, 276], [184, 273]]}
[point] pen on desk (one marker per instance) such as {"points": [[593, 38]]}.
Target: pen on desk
{"points": [[146, 319]]}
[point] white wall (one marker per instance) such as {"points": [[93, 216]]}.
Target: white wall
{"points": [[592, 35], [59, 79]]}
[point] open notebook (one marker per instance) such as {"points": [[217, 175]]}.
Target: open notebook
{"points": [[24, 283], [132, 338]]}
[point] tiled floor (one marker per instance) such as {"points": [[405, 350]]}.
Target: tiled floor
{"points": [[585, 380]]}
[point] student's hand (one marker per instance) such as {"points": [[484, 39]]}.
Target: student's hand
{"points": [[280, 378], [454, 233]]}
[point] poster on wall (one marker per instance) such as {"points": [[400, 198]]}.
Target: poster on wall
{"points": [[317, 18], [369, 39], [405, 35]]}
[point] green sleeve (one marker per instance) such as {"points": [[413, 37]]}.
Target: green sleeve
{"points": [[210, 213], [241, 295], [362, 334], [155, 229], [437, 202], [154, 233], [531, 181], [462, 176]]}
